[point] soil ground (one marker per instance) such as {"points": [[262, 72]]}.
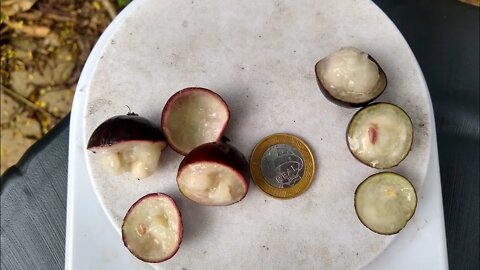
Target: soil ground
{"points": [[44, 45]]}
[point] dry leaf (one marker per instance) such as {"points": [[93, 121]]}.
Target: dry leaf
{"points": [[45, 46], [12, 7]]}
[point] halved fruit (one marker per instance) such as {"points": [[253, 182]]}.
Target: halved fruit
{"points": [[194, 116], [152, 228], [385, 202], [350, 77], [380, 135], [128, 143], [214, 174]]}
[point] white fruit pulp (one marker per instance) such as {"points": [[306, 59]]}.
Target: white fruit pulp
{"points": [[194, 119], [385, 202], [151, 228], [211, 183], [350, 75], [138, 157], [393, 135]]}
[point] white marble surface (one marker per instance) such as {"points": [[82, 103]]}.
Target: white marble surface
{"points": [[258, 54]]}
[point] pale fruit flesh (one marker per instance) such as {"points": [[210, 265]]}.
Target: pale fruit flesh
{"points": [[350, 77], [211, 183], [385, 202], [349, 73], [140, 158], [194, 118], [380, 135], [152, 229]]}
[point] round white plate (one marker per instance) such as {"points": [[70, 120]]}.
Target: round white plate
{"points": [[259, 56]]}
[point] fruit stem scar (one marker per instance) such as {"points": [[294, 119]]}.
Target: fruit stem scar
{"points": [[225, 139], [372, 133], [130, 111]]}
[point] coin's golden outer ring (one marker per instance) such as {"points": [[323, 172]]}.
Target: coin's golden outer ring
{"points": [[261, 182]]}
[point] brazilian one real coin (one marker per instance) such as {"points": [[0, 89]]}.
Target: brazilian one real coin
{"points": [[282, 166]]}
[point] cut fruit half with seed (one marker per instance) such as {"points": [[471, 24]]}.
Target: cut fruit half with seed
{"points": [[350, 78], [152, 228], [380, 135], [194, 116], [385, 202], [128, 143], [213, 174]]}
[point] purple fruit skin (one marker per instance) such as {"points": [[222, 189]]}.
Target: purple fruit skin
{"points": [[218, 152], [123, 128], [221, 153]]}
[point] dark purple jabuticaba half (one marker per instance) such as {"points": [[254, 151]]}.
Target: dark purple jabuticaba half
{"points": [[381, 84], [218, 152], [122, 128]]}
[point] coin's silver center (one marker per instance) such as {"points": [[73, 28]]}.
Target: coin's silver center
{"points": [[282, 165]]}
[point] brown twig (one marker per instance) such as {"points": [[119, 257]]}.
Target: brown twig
{"points": [[29, 30], [75, 75], [60, 17], [109, 8], [25, 101], [31, 15]]}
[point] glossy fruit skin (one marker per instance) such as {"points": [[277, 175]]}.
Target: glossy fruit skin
{"points": [[180, 226], [366, 163], [123, 128], [169, 104], [355, 204], [221, 153], [331, 98]]}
